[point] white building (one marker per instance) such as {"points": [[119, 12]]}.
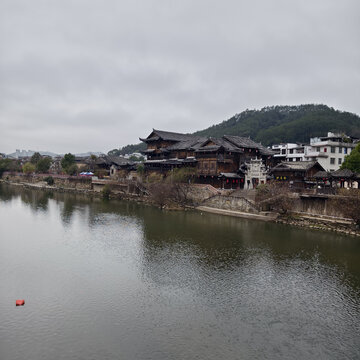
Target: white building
{"points": [[330, 150], [290, 152]]}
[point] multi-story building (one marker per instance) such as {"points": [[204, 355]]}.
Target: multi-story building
{"points": [[216, 161], [330, 150], [290, 152]]}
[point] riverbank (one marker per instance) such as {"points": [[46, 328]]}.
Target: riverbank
{"points": [[304, 220]]}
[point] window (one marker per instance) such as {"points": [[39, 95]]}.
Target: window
{"points": [[283, 151], [325, 149], [318, 148], [345, 150], [339, 161], [333, 149], [332, 161], [340, 149], [291, 151]]}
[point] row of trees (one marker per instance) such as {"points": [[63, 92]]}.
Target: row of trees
{"points": [[39, 164]]}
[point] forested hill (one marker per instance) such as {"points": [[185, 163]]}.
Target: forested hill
{"points": [[277, 124]]}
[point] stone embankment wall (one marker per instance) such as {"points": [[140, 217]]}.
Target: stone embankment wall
{"points": [[201, 192], [231, 203], [121, 188], [316, 205], [61, 182]]}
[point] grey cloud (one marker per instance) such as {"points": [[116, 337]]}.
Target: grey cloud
{"points": [[96, 75]]}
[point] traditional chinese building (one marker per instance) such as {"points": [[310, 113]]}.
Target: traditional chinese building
{"points": [[299, 174], [216, 161]]}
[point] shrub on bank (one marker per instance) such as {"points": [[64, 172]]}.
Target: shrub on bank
{"points": [[106, 192], [49, 180]]}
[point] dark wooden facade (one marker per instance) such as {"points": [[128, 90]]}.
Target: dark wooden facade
{"points": [[212, 157], [299, 174]]}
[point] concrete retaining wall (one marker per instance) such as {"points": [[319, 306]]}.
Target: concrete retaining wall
{"points": [[231, 203]]}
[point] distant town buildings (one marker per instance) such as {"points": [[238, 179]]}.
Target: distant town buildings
{"points": [[329, 151]]}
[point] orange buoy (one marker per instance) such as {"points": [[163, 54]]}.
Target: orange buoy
{"points": [[20, 302]]}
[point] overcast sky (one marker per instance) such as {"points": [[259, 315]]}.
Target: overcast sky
{"points": [[80, 75]]}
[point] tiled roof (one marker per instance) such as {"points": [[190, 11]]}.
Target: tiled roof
{"points": [[109, 160], [244, 142], [230, 175], [295, 165], [342, 173], [227, 145], [322, 175], [167, 135], [192, 143]]}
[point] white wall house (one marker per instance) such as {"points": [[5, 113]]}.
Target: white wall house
{"points": [[329, 151], [290, 152]]}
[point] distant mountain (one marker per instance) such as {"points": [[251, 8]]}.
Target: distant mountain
{"points": [[276, 124], [87, 154], [128, 149], [28, 153]]}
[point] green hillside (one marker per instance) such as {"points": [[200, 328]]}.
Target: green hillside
{"points": [[276, 124]]}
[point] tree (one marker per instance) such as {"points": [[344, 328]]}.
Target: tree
{"points": [[181, 190], [49, 180], [114, 152], [106, 192], [35, 158], [72, 170], [160, 193], [181, 194], [352, 161], [43, 165], [140, 169], [67, 161], [276, 196], [28, 168], [4, 165], [182, 175]]}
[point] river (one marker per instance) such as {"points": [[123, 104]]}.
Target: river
{"points": [[119, 280]]}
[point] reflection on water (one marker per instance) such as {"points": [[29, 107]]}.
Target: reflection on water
{"points": [[110, 280]]}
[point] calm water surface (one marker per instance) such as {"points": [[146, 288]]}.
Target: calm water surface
{"points": [[116, 280]]}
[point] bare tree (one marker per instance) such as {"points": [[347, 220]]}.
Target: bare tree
{"points": [[275, 196], [160, 193], [181, 194]]}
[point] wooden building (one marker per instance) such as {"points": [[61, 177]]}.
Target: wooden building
{"points": [[299, 174], [343, 178], [218, 161]]}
